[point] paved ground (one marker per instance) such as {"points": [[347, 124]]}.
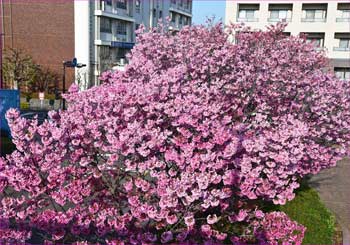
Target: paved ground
{"points": [[333, 186]]}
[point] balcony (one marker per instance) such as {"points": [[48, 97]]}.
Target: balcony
{"points": [[248, 19], [313, 19], [341, 19], [115, 15], [341, 49], [279, 19]]}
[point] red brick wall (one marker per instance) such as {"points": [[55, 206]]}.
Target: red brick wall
{"points": [[43, 29]]}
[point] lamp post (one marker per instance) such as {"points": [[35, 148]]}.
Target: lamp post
{"points": [[73, 64]]}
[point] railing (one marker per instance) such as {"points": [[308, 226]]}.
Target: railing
{"points": [[341, 49], [247, 19], [279, 19], [342, 19], [313, 20]]}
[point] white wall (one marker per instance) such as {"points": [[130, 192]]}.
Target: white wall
{"points": [[82, 39]]}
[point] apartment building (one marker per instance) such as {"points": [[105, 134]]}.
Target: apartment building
{"points": [[99, 33], [325, 23], [105, 30]]}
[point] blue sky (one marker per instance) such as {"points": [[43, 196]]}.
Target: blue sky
{"points": [[207, 8]]}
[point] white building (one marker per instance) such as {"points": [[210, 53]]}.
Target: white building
{"points": [[105, 30], [326, 23]]}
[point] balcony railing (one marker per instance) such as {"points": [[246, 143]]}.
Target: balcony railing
{"points": [[313, 20], [320, 48], [341, 49], [342, 19], [248, 19], [279, 19]]}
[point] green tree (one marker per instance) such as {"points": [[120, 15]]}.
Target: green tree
{"points": [[18, 69]]}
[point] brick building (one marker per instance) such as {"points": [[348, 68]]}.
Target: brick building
{"points": [[42, 29]]}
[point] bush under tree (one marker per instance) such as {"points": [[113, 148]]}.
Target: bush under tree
{"points": [[184, 146]]}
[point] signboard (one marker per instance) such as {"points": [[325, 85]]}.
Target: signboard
{"points": [[8, 99], [122, 45]]}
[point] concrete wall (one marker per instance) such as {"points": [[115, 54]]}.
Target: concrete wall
{"points": [[295, 26]]}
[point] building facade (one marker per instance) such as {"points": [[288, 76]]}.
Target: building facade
{"points": [[325, 23], [105, 30], [99, 33]]}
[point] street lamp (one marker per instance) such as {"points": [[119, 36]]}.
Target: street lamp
{"points": [[73, 64]]}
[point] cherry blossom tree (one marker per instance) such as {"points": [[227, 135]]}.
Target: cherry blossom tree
{"points": [[183, 146]]}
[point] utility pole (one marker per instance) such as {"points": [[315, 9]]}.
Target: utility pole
{"points": [[64, 83], [73, 64]]}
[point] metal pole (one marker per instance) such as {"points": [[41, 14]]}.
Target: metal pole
{"points": [[64, 84]]}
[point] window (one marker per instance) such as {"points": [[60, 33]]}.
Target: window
{"points": [[343, 14], [186, 20], [181, 3], [279, 12], [246, 12], [154, 13], [344, 41], [108, 2], [187, 4], [315, 38], [137, 6], [121, 28], [105, 25], [173, 17], [180, 20], [343, 73], [121, 4], [314, 12], [173, 1], [160, 14], [137, 26]]}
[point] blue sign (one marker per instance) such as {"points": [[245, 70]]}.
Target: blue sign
{"points": [[8, 99], [122, 45]]}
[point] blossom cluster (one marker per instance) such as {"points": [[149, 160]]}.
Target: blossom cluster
{"points": [[182, 146]]}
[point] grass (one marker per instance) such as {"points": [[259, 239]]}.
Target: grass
{"points": [[6, 146], [24, 105], [307, 209]]}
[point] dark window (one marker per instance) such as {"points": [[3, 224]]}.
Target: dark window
{"points": [[137, 6], [121, 28], [343, 73], [173, 17], [121, 4], [154, 13], [106, 25]]}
